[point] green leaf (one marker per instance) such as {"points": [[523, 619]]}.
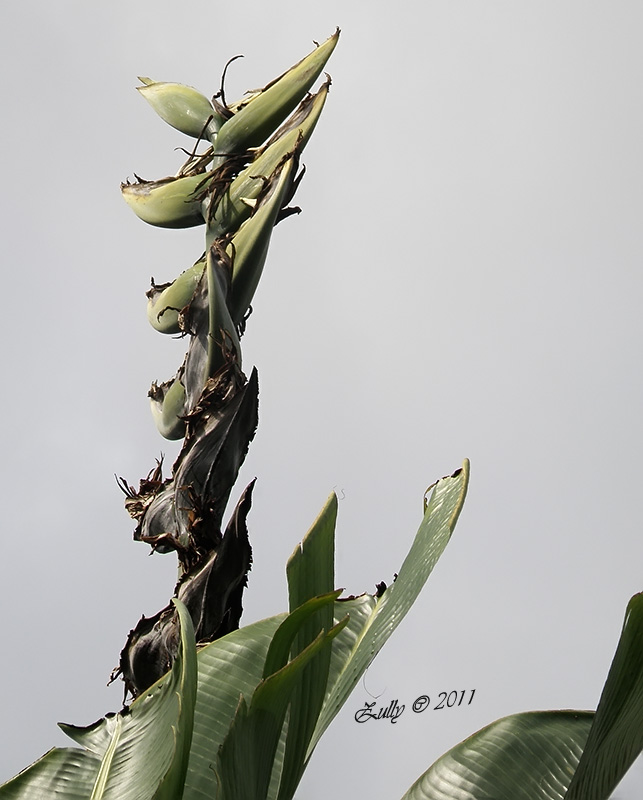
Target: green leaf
{"points": [[247, 758], [616, 737], [311, 567], [282, 642], [374, 620], [529, 756], [70, 767], [139, 753], [185, 675], [553, 755], [310, 571], [228, 668], [233, 666]]}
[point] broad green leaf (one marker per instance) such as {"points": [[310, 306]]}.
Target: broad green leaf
{"points": [[553, 755], [616, 736], [529, 756], [310, 571], [141, 752], [172, 785], [311, 567], [70, 767], [228, 668], [374, 620], [280, 647], [233, 666], [247, 757]]}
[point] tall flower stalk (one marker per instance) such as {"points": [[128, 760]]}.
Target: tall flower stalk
{"points": [[237, 183]]}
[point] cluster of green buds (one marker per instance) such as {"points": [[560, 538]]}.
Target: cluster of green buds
{"points": [[238, 188]]}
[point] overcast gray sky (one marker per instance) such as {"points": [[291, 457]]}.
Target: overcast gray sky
{"points": [[465, 280]]}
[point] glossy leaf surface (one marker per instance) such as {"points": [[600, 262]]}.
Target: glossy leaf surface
{"points": [[139, 753], [374, 620], [616, 737], [529, 756]]}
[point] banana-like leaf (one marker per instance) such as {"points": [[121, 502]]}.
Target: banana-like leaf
{"points": [[290, 630], [311, 567], [530, 756], [616, 737], [373, 620], [233, 665], [553, 755], [310, 571], [247, 758], [228, 668], [141, 752]]}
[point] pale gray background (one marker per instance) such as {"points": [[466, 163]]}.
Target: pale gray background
{"points": [[465, 280]]}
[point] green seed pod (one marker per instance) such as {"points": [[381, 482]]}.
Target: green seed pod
{"points": [[235, 206], [255, 121], [168, 203], [167, 401], [182, 107], [166, 302]]}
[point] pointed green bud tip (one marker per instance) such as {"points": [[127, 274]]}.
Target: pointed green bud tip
{"points": [[257, 118], [182, 107]]}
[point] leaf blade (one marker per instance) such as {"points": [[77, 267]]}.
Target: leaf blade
{"points": [[616, 737], [141, 752], [378, 621], [529, 756]]}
